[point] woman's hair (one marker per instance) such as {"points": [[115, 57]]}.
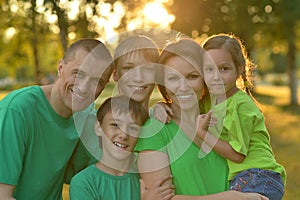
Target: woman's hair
{"points": [[237, 50], [186, 49], [123, 104]]}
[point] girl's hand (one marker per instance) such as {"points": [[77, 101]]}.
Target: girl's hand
{"points": [[159, 191], [204, 122], [162, 112]]}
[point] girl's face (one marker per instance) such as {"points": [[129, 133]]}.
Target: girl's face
{"points": [[135, 76], [220, 73], [183, 82]]}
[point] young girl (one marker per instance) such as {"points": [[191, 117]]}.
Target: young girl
{"points": [[244, 140]]}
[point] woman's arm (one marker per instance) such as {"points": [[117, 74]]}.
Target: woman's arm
{"points": [[154, 165]]}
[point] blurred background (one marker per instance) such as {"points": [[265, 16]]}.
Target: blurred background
{"points": [[35, 33]]}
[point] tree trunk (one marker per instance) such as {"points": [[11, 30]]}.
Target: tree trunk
{"points": [[62, 24], [292, 72], [34, 44]]}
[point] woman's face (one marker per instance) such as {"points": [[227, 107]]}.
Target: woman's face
{"points": [[184, 83]]}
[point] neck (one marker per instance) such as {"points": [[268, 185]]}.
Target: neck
{"points": [[52, 94], [108, 169], [189, 116], [114, 167], [229, 93]]}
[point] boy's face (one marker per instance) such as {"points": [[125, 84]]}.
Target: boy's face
{"points": [[135, 76], [120, 133]]}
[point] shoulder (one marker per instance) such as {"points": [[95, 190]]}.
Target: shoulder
{"points": [[85, 175], [18, 98]]}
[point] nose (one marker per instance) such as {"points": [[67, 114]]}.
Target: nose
{"points": [[216, 75], [122, 133], [138, 74], [84, 86], [184, 85]]}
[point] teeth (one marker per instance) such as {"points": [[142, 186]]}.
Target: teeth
{"points": [[184, 96], [76, 95], [123, 146], [139, 88]]}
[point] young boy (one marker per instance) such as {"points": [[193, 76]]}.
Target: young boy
{"points": [[119, 120]]}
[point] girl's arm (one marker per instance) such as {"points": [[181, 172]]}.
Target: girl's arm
{"points": [[221, 147]]}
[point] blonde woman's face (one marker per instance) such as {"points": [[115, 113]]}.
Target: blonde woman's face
{"points": [[183, 82]]}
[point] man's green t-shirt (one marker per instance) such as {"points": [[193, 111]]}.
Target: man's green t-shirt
{"points": [[192, 175], [94, 184], [35, 145]]}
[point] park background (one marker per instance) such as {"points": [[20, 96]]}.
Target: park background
{"points": [[35, 33]]}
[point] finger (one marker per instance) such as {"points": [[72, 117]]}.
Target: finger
{"points": [[162, 180], [169, 110], [142, 185]]}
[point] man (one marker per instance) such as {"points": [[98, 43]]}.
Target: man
{"points": [[38, 134]]}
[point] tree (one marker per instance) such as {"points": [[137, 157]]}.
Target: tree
{"points": [[256, 22]]}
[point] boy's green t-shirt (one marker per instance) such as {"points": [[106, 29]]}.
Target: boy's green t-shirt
{"points": [[192, 175], [94, 184], [36, 145]]}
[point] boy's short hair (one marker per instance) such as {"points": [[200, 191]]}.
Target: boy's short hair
{"points": [[123, 104]]}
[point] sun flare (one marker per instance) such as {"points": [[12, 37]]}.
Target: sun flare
{"points": [[156, 13]]}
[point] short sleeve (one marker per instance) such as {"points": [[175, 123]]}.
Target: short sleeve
{"points": [[151, 137], [12, 142]]}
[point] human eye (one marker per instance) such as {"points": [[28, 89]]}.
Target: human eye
{"points": [[172, 78], [223, 68], [134, 130], [208, 69], [193, 76], [127, 67], [114, 124], [78, 74]]}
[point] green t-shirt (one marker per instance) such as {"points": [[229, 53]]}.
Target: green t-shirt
{"points": [[191, 175], [244, 128], [36, 145], [94, 184]]}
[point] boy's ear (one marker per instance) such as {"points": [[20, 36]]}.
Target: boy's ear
{"points": [[115, 75], [98, 129]]}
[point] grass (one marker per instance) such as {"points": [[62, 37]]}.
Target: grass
{"points": [[283, 123]]}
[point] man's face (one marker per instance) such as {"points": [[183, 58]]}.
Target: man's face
{"points": [[82, 79]]}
